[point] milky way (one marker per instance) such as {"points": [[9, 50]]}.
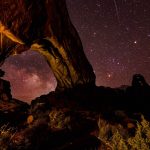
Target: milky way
{"points": [[116, 40]]}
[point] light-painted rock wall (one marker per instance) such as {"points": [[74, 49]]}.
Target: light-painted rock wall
{"points": [[45, 26]]}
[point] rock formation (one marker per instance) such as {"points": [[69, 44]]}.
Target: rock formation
{"points": [[10, 108], [139, 81], [45, 26], [5, 92]]}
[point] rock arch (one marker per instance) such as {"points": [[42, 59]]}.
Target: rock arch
{"points": [[45, 26]]}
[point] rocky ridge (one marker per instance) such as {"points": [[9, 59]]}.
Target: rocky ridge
{"points": [[69, 120]]}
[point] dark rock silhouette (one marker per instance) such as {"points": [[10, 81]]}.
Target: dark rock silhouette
{"points": [[139, 93], [2, 73], [68, 120], [134, 98], [139, 81], [72, 113], [5, 92], [65, 129], [45, 26], [11, 110]]}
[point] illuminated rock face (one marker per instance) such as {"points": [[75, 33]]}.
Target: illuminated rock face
{"points": [[45, 26]]}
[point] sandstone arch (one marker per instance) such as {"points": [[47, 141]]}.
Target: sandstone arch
{"points": [[45, 26]]}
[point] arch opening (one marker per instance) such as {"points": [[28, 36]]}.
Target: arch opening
{"points": [[28, 81]]}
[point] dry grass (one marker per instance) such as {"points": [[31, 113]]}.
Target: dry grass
{"points": [[112, 136], [6, 135], [115, 137], [59, 119]]}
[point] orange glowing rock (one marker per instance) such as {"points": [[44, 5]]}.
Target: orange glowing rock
{"points": [[30, 119]]}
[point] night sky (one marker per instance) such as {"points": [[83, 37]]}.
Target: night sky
{"points": [[116, 39]]}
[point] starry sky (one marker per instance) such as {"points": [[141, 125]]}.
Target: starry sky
{"points": [[116, 39]]}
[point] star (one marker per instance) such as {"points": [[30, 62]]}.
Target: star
{"points": [[91, 50], [109, 75], [98, 5]]}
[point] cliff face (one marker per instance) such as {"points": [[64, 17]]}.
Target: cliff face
{"points": [[45, 26]]}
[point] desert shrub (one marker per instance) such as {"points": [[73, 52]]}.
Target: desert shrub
{"points": [[115, 137], [141, 140], [59, 119], [6, 135]]}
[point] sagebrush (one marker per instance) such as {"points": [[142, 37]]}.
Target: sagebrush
{"points": [[115, 137]]}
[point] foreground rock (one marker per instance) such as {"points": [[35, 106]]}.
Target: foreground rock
{"points": [[71, 118], [11, 110], [134, 98], [74, 119], [62, 129]]}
